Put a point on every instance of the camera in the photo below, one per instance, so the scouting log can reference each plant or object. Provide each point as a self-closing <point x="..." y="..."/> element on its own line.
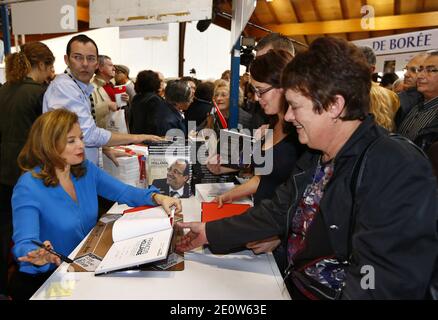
<point x="246" y="51"/>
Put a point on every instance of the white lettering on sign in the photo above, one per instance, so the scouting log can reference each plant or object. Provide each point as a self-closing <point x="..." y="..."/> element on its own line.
<point x="407" y="42"/>
<point x="410" y="42"/>
<point x="367" y="21"/>
<point x="68" y="19"/>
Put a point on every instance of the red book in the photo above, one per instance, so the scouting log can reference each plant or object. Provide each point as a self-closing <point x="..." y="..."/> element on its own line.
<point x="211" y="212"/>
<point x="137" y="209"/>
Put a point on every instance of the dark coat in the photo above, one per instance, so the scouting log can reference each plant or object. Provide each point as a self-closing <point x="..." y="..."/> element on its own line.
<point x="140" y="115"/>
<point x="408" y="99"/>
<point x="396" y="216"/>
<point x="198" y="111"/>
<point x="20" y="105"/>
<point x="427" y="140"/>
<point x="164" y="187"/>
<point x="164" y="117"/>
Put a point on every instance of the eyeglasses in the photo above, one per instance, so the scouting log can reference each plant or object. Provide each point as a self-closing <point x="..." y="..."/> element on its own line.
<point x="81" y="58"/>
<point x="428" y="69"/>
<point x="410" y="69"/>
<point x="174" y="171"/>
<point x="261" y="92"/>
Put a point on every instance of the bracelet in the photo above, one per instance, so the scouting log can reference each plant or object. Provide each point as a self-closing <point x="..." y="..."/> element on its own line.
<point x="153" y="197"/>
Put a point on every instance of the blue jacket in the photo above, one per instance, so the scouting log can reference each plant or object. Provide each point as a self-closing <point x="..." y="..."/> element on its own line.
<point x="49" y="213"/>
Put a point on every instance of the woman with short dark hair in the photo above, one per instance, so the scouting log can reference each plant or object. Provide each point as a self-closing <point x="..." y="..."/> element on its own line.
<point x="359" y="212"/>
<point x="146" y="86"/>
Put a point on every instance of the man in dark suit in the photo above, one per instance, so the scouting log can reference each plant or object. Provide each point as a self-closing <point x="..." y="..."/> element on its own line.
<point x="170" y="114"/>
<point x="176" y="184"/>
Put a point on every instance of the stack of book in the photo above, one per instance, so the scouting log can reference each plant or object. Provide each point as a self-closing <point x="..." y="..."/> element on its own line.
<point x="131" y="169"/>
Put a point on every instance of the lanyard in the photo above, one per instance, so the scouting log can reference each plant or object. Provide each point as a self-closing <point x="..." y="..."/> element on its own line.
<point x="89" y="98"/>
<point x="71" y="77"/>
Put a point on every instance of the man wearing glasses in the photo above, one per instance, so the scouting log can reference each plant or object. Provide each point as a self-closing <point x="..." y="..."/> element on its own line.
<point x="421" y="123"/>
<point x="176" y="184"/>
<point x="409" y="97"/>
<point x="72" y="90"/>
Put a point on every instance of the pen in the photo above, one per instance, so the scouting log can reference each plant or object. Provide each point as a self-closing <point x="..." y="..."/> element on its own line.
<point x="61" y="256"/>
<point x="172" y="215"/>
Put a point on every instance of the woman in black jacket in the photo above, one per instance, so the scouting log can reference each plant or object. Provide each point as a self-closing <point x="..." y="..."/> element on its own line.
<point x="21" y="98"/>
<point x="145" y="101"/>
<point x="351" y="234"/>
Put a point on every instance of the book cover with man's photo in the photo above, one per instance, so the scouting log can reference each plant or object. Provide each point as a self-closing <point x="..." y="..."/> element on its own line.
<point x="169" y="170"/>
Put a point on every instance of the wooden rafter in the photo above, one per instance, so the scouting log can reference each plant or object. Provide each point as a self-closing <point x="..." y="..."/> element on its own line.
<point x="83" y="13"/>
<point x="299" y="19"/>
<point x="427" y="19"/>
<point x="344" y="14"/>
<point x="397" y="6"/>
<point x="272" y="11"/>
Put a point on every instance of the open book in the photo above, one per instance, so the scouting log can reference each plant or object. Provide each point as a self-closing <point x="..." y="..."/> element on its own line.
<point x="207" y="192"/>
<point x="139" y="237"/>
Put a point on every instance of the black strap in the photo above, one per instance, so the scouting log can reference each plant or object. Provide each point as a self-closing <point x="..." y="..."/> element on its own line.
<point x="90" y="97"/>
<point x="356" y="180"/>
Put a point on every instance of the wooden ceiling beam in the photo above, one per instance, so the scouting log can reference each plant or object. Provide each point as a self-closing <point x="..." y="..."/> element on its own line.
<point x="273" y="14"/>
<point x="417" y="20"/>
<point x="83" y="14"/>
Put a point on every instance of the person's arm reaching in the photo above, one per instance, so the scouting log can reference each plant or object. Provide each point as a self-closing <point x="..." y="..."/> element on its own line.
<point x="126" y="138"/>
<point x="243" y="190"/>
<point x="196" y="237"/>
<point x="167" y="203"/>
<point x="113" y="189"/>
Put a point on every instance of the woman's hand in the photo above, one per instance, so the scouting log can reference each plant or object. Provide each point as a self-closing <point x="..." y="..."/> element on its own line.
<point x="167" y="203"/>
<point x="41" y="256"/>
<point x="225" y="198"/>
<point x="196" y="237"/>
<point x="263" y="246"/>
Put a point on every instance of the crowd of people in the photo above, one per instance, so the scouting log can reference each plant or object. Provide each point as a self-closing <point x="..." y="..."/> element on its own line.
<point x="343" y="192"/>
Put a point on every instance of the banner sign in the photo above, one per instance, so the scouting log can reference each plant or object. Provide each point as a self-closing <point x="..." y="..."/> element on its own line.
<point x="113" y="13"/>
<point x="45" y="16"/>
<point x="402" y="43"/>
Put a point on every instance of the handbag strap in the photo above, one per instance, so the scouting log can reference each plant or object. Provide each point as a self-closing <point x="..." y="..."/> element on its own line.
<point x="356" y="180"/>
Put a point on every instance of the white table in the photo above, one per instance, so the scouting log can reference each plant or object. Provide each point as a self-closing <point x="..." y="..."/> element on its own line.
<point x="241" y="275"/>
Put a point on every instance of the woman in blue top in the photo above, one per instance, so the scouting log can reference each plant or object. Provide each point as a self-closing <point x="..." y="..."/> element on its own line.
<point x="55" y="200"/>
